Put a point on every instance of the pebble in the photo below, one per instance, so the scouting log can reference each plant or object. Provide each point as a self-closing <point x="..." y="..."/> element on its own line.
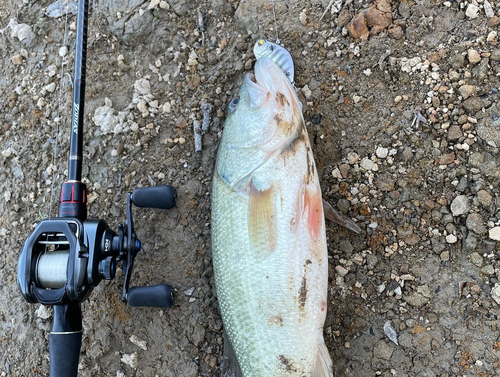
<point x="467" y="91"/>
<point x="131" y="360"/>
<point x="488" y="9"/>
<point x="51" y="87"/>
<point x="383" y="350"/>
<point x="17" y="59"/>
<point x="357" y="27"/>
<point x="382" y="152"/>
<point x="63" y="51"/>
<point x="385" y="182"/>
<point x="446" y="159"/>
<point x="7" y="152"/>
<point x="494" y="233"/>
<point x="341" y="270"/>
<point x="484" y="198"/>
<point x="454" y="133"/>
<point x="475" y="223"/>
<point x="472" y="11"/>
<point x="460" y="205"/>
<point x="142" y="87"/>
<point x="43" y="312"/>
<point x="492" y="35"/>
<point x="473" y="55"/>
<point x="476" y="259"/>
<point x="445" y="255"/>
<point x="495" y="293"/>
<point x="139" y="342"/>
<point x="451" y="238"/>
<point x="366" y="164"/>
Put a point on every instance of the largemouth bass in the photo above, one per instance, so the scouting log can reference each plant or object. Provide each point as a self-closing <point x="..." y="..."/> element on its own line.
<point x="268" y="232"/>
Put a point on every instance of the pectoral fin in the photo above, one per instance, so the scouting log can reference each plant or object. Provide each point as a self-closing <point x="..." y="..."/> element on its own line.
<point x="333" y="215"/>
<point x="324" y="366"/>
<point x="262" y="228"/>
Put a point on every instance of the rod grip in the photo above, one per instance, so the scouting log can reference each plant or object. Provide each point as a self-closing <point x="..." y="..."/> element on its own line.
<point x="158" y="296"/>
<point x="64" y="349"/>
<point x="65" y="340"/>
<point x="162" y="197"/>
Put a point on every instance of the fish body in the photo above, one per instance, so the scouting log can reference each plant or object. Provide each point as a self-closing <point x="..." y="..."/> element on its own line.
<point x="276" y="53"/>
<point x="268" y="232"/>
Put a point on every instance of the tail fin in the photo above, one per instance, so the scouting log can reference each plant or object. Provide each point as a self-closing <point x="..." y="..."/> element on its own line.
<point x="324" y="365"/>
<point x="230" y="366"/>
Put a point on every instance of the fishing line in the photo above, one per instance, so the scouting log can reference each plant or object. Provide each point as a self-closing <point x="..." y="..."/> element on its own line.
<point x="275" y="24"/>
<point x="59" y="105"/>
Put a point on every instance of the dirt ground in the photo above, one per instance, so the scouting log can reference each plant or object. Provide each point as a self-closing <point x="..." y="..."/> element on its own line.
<point x="401" y="101"/>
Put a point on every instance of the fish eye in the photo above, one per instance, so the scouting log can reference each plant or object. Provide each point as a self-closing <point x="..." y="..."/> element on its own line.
<point x="234" y="104"/>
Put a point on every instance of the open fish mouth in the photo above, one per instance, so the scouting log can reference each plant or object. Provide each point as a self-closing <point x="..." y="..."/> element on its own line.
<point x="251" y="79"/>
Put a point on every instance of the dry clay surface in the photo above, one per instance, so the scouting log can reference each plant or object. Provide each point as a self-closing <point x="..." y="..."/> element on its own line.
<point x="401" y="101"/>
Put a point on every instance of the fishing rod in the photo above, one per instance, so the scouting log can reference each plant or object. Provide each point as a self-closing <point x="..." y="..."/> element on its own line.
<point x="67" y="256"/>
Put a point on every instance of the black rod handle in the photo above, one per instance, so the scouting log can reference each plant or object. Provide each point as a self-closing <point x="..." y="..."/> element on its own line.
<point x="158" y="296"/>
<point x="65" y="340"/>
<point x="162" y="197"/>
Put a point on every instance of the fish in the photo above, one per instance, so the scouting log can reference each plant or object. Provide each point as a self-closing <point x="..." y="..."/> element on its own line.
<point x="280" y="55"/>
<point x="269" y="245"/>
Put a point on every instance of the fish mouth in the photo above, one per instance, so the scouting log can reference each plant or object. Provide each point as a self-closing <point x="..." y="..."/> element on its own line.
<point x="251" y="80"/>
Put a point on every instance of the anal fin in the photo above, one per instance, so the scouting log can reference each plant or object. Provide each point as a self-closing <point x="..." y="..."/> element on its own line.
<point x="333" y="215"/>
<point x="229" y="366"/>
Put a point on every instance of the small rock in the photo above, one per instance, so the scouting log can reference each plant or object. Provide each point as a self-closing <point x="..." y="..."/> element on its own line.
<point x="416" y="299"/>
<point x="454" y="133"/>
<point x="467" y="91"/>
<point x="472" y="11"/>
<point x="492" y="35"/>
<point x="357" y="27"/>
<point x="451" y="238"/>
<point x="494" y="233"/>
<point x="446" y="159"/>
<point x="460" y="205"/>
<point x="383" y="350"/>
<point x="488" y="9"/>
<point x="385" y="182"/>
<point x="341" y="270"/>
<point x="51" y="87"/>
<point x="476" y="259"/>
<point x="366" y="164"/>
<point x="445" y="255"/>
<point x="473" y="104"/>
<point x="63" y="51"/>
<point x="484" y="198"/>
<point x="139" y="342"/>
<point x="493" y="22"/>
<point x="130" y="360"/>
<point x="142" y="87"/>
<point x="336" y="173"/>
<point x="194" y="82"/>
<point x="43" y="313"/>
<point x="377" y="20"/>
<point x="382" y="152"/>
<point x="17" y="59"/>
<point x="473" y="55"/>
<point x="475" y="223"/>
<point x="495" y="293"/>
<point x="476" y="159"/>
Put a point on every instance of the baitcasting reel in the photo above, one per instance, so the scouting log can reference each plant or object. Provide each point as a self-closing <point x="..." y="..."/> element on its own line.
<point x="65" y="258"/>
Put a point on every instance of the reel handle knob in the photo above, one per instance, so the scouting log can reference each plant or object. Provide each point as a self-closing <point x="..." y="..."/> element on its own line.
<point x="158" y="296"/>
<point x="162" y="197"/>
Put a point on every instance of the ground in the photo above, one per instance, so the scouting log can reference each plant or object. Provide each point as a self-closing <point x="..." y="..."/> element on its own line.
<point x="401" y="101"/>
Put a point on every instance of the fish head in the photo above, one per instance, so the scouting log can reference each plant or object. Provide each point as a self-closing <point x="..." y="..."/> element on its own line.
<point x="267" y="110"/>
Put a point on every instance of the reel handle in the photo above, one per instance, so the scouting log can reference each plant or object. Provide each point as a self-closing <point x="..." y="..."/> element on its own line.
<point x="162" y="197"/>
<point x="65" y="340"/>
<point x="158" y="296"/>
